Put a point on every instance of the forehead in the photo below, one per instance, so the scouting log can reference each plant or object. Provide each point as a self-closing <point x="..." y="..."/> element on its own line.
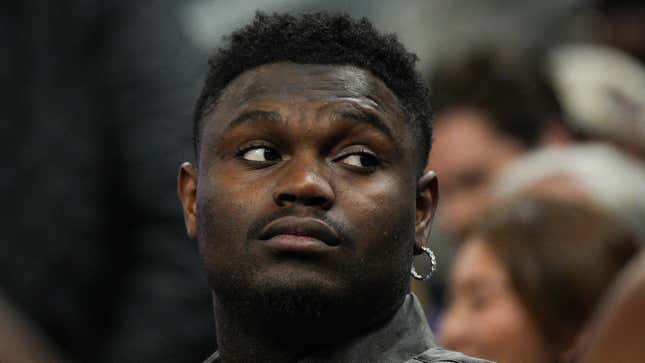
<point x="295" y="84"/>
<point x="487" y="150"/>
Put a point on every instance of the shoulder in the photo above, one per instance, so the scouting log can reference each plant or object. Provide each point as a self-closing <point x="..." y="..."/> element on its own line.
<point x="440" y="355"/>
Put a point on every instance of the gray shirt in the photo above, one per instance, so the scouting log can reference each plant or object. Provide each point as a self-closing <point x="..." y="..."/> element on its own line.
<point x="406" y="338"/>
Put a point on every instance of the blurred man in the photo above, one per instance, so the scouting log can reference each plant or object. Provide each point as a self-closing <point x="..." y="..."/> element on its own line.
<point x="309" y="197"/>
<point x="486" y="115"/>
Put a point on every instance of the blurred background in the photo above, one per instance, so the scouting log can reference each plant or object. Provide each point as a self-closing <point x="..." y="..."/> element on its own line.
<point x="539" y="97"/>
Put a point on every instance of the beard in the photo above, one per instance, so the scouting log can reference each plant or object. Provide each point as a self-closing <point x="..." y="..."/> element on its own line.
<point x="294" y="309"/>
<point x="310" y="301"/>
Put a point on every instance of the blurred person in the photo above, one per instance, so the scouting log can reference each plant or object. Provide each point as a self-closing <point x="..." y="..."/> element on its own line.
<point x="602" y="92"/>
<point x="94" y="98"/>
<point x="308" y="197"/>
<point x="487" y="114"/>
<point x="489" y="110"/>
<point x="594" y="172"/>
<point x="529" y="275"/>
<point x="615" y="333"/>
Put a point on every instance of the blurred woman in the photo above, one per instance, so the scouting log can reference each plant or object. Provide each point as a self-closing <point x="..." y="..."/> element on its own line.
<point x="528" y="276"/>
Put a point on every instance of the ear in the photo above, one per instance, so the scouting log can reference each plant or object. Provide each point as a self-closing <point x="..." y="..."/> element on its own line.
<point x="187" y="191"/>
<point x="427" y="200"/>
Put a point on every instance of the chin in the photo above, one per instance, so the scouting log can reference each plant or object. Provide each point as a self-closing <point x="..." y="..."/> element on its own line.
<point x="301" y="295"/>
<point x="301" y="276"/>
<point x="288" y="294"/>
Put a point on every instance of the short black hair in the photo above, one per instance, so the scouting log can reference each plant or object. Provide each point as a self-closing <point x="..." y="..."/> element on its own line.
<point x="507" y="91"/>
<point x="320" y="38"/>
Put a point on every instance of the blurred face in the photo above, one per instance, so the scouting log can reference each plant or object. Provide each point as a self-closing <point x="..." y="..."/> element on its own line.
<point x="305" y="198"/>
<point x="485" y="318"/>
<point x="467" y="155"/>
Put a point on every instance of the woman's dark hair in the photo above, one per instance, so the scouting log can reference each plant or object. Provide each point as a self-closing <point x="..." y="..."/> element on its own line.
<point x="560" y="257"/>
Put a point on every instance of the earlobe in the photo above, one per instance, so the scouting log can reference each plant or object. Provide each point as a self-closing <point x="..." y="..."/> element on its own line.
<point x="427" y="200"/>
<point x="187" y="191"/>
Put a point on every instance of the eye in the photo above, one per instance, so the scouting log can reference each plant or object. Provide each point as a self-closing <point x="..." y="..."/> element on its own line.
<point x="360" y="160"/>
<point x="260" y="154"/>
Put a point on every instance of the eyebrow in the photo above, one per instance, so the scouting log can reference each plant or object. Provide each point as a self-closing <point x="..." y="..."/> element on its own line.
<point x="355" y="113"/>
<point x="254" y="115"/>
<point x="359" y="115"/>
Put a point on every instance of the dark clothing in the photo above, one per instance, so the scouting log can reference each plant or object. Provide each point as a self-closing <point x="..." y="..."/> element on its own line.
<point x="96" y="102"/>
<point x="405" y="338"/>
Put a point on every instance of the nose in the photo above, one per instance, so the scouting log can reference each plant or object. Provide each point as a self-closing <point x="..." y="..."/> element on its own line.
<point x="453" y="331"/>
<point x="303" y="181"/>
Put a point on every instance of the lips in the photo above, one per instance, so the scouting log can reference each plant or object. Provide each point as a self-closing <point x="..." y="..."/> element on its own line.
<point x="299" y="231"/>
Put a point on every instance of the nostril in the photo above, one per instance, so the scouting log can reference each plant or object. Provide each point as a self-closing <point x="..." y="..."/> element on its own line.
<point x="313" y="201"/>
<point x="286" y="198"/>
<point x="318" y="201"/>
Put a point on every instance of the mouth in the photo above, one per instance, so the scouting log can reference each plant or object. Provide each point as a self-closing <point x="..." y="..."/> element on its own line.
<point x="299" y="235"/>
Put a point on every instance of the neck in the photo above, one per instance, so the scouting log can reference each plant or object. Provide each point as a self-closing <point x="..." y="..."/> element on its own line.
<point x="250" y="335"/>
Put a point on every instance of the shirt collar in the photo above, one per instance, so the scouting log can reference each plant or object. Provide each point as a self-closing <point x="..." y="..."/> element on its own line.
<point x="405" y="335"/>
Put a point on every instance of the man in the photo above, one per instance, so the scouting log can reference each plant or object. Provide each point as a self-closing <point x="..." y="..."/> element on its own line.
<point x="309" y="197"/>
<point x="487" y="114"/>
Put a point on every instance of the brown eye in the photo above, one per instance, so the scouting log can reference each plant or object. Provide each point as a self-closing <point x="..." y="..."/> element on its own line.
<point x="260" y="154"/>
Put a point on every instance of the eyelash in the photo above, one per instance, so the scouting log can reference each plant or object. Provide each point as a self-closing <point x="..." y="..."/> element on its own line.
<point x="361" y="151"/>
<point x="239" y="153"/>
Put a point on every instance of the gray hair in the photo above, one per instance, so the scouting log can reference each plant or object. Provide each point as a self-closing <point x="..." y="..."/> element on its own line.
<point x="612" y="180"/>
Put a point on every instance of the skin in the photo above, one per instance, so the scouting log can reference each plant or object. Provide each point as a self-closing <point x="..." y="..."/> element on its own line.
<point x="301" y="141"/>
<point x="468" y="154"/>
<point x="485" y="318"/>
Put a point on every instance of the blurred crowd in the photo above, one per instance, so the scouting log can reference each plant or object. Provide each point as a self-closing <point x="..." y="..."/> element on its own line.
<point x="541" y="165"/>
<point x="540" y="160"/>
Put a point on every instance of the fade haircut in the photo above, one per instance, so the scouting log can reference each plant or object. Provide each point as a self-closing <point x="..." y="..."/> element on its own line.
<point x="320" y="38"/>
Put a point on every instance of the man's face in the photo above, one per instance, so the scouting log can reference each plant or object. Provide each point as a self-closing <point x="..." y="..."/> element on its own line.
<point x="468" y="155"/>
<point x="306" y="191"/>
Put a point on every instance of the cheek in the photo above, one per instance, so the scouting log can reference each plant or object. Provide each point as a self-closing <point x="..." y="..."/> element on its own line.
<point x="505" y="318"/>
<point x="507" y="333"/>
<point x="226" y="207"/>
<point x="382" y="213"/>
